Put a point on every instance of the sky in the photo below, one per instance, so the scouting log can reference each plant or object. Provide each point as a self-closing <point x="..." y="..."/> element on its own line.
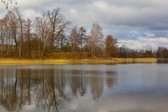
<point x="137" y="24"/>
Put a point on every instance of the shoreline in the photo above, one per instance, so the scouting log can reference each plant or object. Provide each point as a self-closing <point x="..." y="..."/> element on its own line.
<point x="76" y="61"/>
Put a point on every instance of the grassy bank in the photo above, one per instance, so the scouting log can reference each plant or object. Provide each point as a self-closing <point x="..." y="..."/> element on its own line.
<point x="73" y="61"/>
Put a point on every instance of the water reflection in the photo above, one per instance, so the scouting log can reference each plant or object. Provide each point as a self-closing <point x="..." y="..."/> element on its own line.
<point x="49" y="89"/>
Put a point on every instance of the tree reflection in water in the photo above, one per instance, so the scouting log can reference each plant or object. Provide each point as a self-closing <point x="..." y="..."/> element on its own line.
<point x="45" y="88"/>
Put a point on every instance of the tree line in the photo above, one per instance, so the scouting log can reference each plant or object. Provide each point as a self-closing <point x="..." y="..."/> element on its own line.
<point x="46" y="37"/>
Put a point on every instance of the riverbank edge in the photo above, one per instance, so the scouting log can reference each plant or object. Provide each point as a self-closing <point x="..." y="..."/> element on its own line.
<point x="76" y="61"/>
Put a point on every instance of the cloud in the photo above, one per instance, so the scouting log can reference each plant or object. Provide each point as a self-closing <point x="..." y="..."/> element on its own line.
<point x="78" y="17"/>
<point x="129" y="15"/>
<point x="124" y="19"/>
<point x="145" y="43"/>
<point x="33" y="4"/>
<point x="149" y="14"/>
<point x="30" y="14"/>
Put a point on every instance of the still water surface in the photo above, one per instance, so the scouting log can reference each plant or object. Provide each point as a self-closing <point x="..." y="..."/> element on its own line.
<point x="84" y="88"/>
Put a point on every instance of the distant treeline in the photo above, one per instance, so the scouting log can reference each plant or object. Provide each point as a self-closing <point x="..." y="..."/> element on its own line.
<point x="46" y="37"/>
<point x="124" y="52"/>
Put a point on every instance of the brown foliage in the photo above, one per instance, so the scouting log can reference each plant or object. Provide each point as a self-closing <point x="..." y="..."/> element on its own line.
<point x="110" y="46"/>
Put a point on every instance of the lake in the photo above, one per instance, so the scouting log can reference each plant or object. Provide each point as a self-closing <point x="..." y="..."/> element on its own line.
<point x="84" y="88"/>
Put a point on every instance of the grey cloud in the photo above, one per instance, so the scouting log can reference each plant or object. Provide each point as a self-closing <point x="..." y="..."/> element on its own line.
<point x="117" y="17"/>
<point x="130" y="15"/>
<point x="145" y="43"/>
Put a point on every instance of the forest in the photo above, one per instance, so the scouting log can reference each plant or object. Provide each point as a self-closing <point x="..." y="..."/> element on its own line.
<point x="52" y="36"/>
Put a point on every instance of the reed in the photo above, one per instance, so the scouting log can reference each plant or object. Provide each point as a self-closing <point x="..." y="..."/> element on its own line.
<point x="76" y="61"/>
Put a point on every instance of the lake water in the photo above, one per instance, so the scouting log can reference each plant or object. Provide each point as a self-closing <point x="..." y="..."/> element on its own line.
<point x="84" y="88"/>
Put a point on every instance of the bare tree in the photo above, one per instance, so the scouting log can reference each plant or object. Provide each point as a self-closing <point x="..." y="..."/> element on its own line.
<point x="13" y="26"/>
<point x="2" y="22"/>
<point x="51" y="28"/>
<point x="20" y="24"/>
<point x="74" y="39"/>
<point x="28" y="35"/>
<point x="43" y="33"/>
<point x="57" y="26"/>
<point x="95" y="37"/>
<point x="5" y="35"/>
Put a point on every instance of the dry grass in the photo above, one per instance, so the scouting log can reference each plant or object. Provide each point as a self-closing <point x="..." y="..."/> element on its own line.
<point x="73" y="61"/>
<point x="137" y="60"/>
